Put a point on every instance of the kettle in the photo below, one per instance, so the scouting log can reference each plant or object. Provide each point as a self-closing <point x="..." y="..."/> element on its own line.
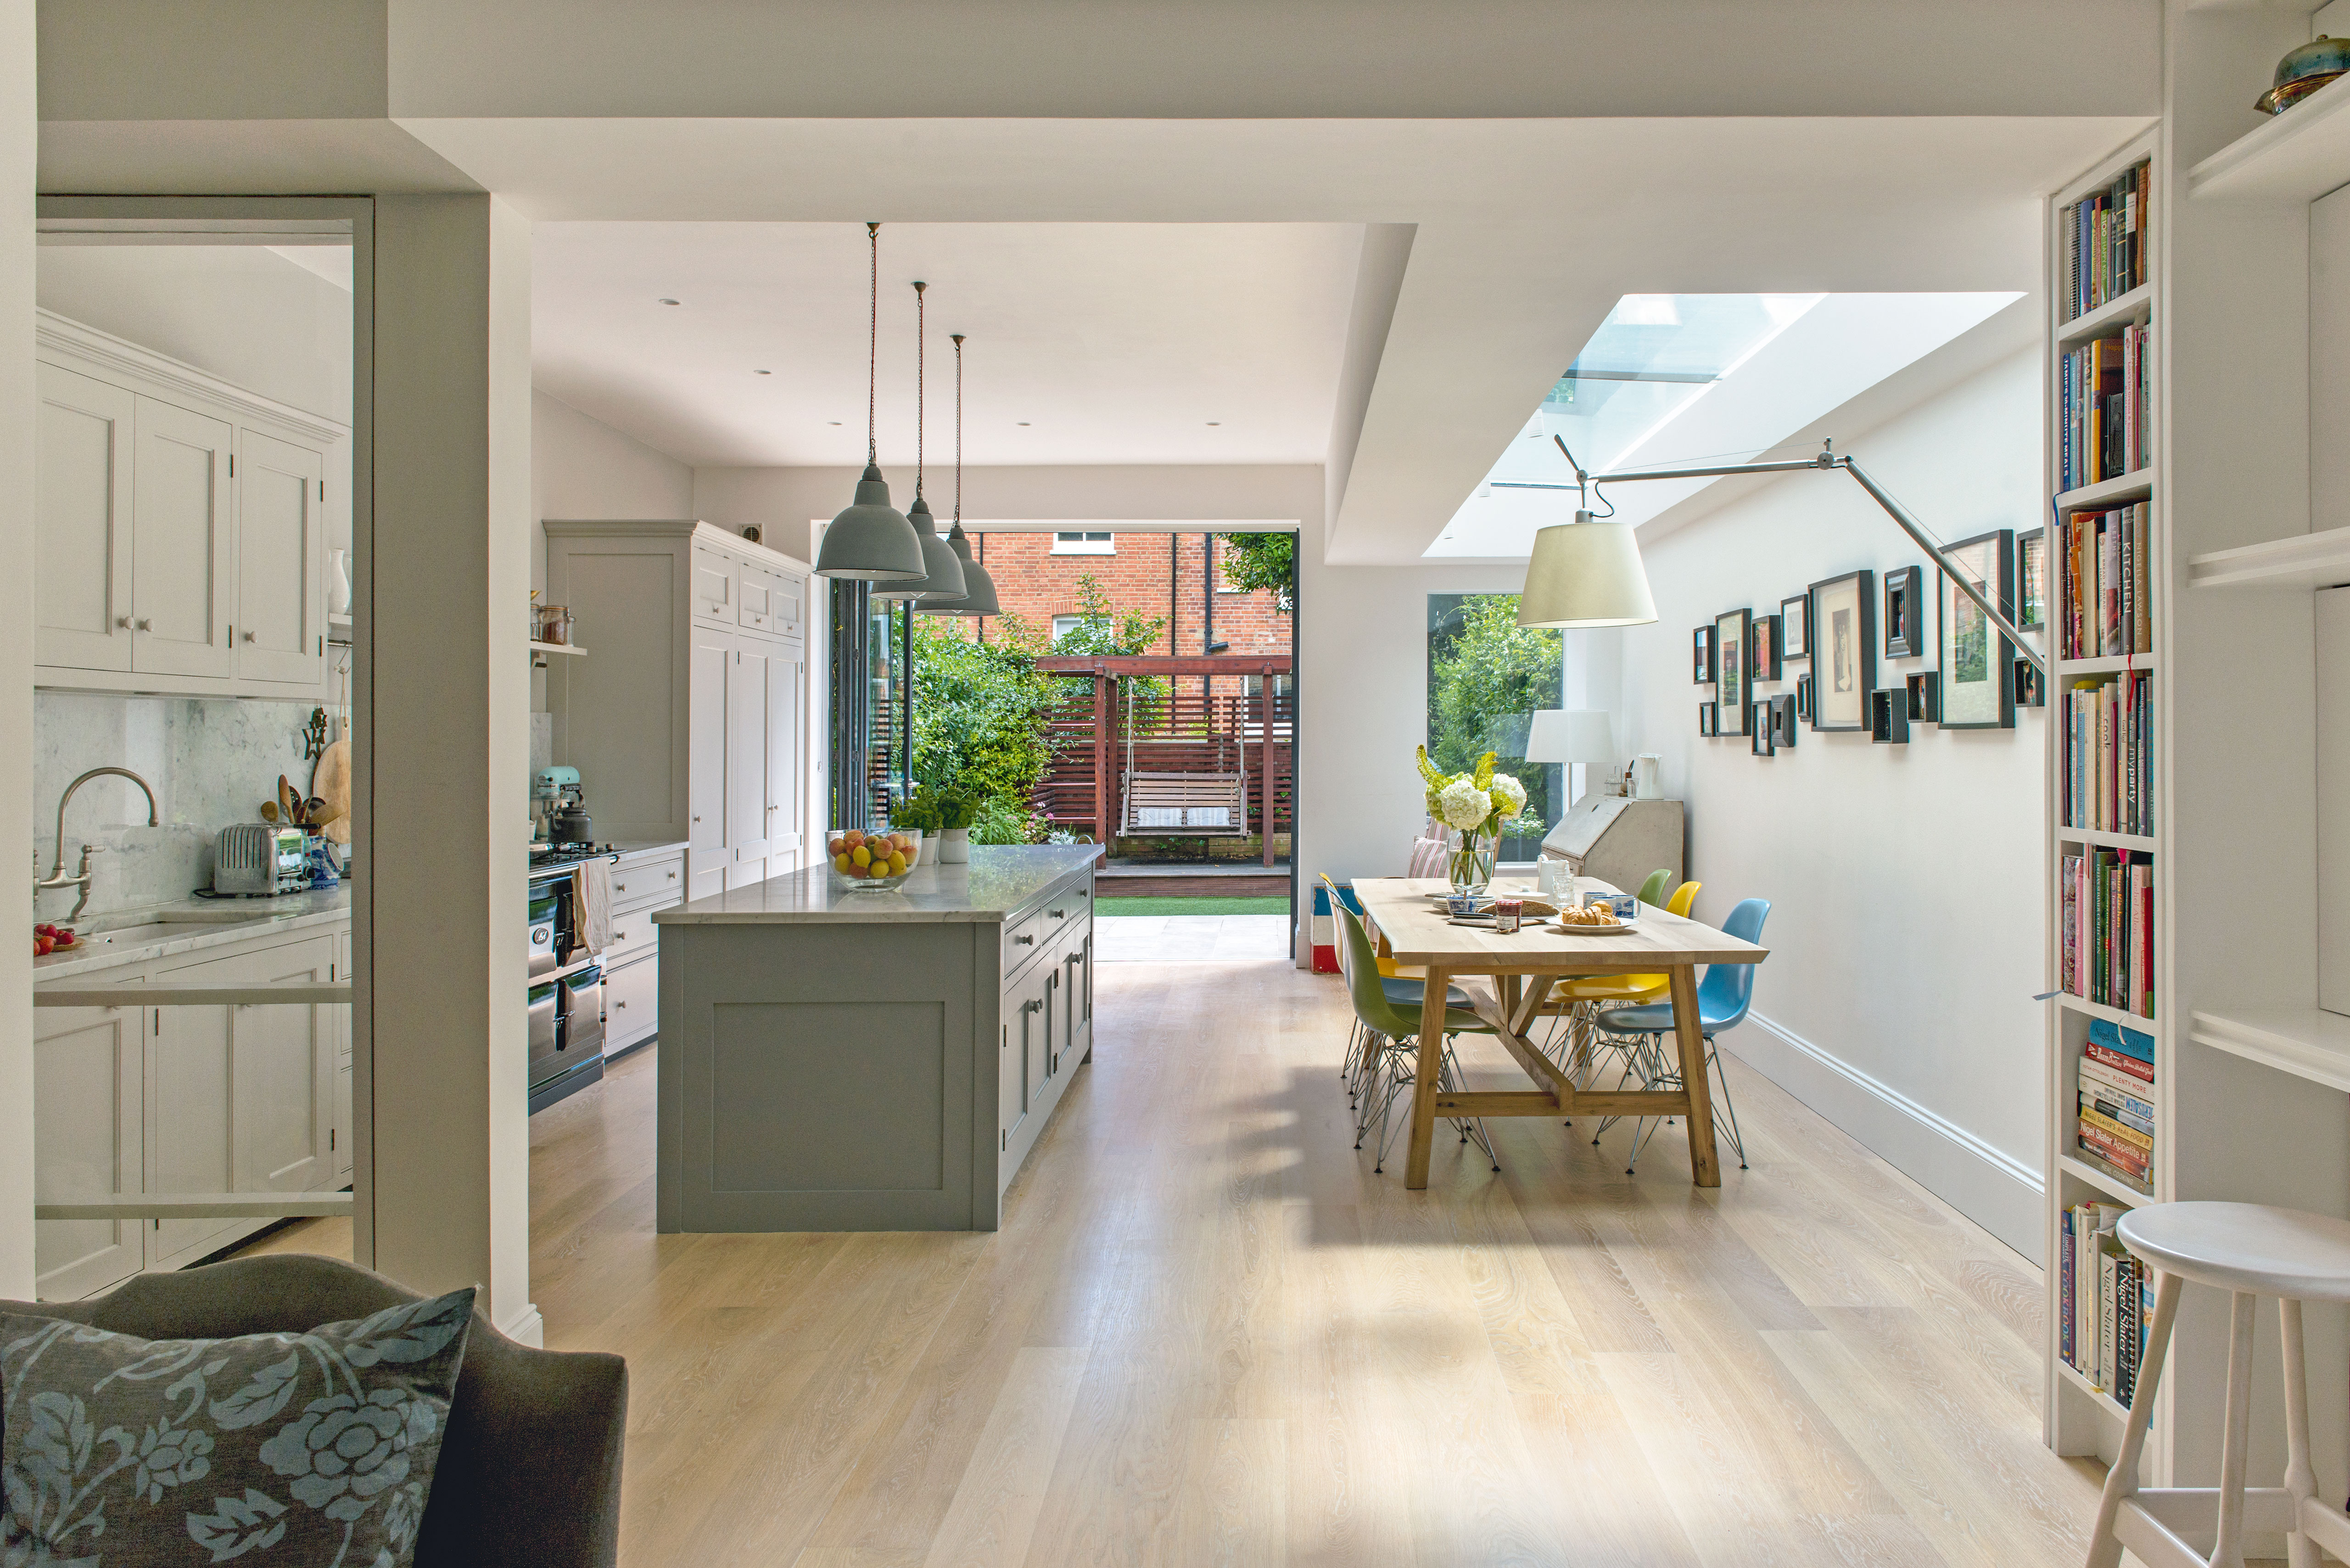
<point x="572" y="824"/>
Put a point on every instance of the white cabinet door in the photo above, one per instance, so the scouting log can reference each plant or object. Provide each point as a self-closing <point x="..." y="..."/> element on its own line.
<point x="784" y="618"/>
<point x="82" y="520"/>
<point x="707" y="851"/>
<point x="88" y="1066"/>
<point x="786" y="680"/>
<point x="189" y="1086"/>
<point x="279" y="628"/>
<point x="713" y="586"/>
<point x="756" y="592"/>
<point x="340" y="1139"/>
<point x="746" y="751"/>
<point x="183" y="544"/>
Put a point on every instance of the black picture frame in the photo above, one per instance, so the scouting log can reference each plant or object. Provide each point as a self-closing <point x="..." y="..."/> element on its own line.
<point x="1783" y="718"/>
<point x="1803" y="696"/>
<point x="1889" y="716"/>
<point x="1977" y="658"/>
<point x="1701" y="657"/>
<point x="1761" y="739"/>
<point x="1762" y="663"/>
<point x="2031" y="688"/>
<point x="1706" y="726"/>
<point x="1733" y="636"/>
<point x="1796" y="628"/>
<point x="2032" y="580"/>
<point x="1843" y="651"/>
<point x="1905" y="610"/>
<point x="1926" y="697"/>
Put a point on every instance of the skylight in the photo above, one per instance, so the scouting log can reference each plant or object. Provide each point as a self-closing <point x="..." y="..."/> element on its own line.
<point x="1675" y="378"/>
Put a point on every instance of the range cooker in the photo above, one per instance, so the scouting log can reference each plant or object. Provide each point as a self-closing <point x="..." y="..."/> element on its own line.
<point x="566" y="982"/>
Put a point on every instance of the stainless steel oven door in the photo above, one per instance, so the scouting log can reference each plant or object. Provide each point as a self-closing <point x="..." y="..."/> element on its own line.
<point x="546" y="1058"/>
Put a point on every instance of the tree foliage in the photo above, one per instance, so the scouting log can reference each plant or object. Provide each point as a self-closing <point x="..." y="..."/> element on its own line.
<point x="1253" y="561"/>
<point x="980" y="712"/>
<point x="1486" y="677"/>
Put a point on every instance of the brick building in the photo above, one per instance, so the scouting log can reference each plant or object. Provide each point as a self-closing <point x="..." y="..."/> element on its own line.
<point x="1151" y="574"/>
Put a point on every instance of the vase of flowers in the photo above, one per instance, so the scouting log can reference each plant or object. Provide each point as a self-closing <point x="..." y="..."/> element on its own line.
<point x="1478" y="807"/>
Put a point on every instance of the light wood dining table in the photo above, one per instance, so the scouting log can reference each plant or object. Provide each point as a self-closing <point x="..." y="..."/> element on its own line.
<point x="1411" y="929"/>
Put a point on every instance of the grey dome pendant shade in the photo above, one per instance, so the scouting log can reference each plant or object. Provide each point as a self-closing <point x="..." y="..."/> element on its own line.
<point x="943" y="577"/>
<point x="871" y="539"/>
<point x="979" y="587"/>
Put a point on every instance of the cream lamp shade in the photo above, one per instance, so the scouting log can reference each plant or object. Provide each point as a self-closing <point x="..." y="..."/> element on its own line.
<point x="1570" y="735"/>
<point x="1586" y="573"/>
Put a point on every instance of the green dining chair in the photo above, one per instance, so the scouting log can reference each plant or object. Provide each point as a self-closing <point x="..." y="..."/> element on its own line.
<point x="1652" y="891"/>
<point x="1392" y="1046"/>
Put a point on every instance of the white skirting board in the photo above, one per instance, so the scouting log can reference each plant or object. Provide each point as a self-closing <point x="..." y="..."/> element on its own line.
<point x="1985" y="1184"/>
<point x="528" y="1327"/>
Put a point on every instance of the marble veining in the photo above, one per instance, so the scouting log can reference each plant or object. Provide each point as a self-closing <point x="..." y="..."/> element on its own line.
<point x="212" y="761"/>
<point x="200" y="924"/>
<point x="999" y="879"/>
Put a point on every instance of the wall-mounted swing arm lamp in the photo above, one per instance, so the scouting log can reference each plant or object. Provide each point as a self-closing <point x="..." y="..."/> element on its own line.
<point x="1599" y="580"/>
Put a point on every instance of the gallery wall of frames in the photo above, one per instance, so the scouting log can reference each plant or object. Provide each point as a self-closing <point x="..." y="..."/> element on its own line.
<point x="1821" y="651"/>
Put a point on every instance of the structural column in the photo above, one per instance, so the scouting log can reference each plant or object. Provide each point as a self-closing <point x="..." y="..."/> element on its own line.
<point x="19" y="135"/>
<point x="442" y="712"/>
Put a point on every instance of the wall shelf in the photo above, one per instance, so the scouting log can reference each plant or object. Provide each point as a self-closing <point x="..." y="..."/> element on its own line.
<point x="2098" y="835"/>
<point x="2135" y="485"/>
<point x="2104" y="1401"/>
<point x="2110" y="1014"/>
<point x="2317" y="560"/>
<point x="2112" y="1187"/>
<point x="539" y="651"/>
<point x="2298" y="156"/>
<point x="2123" y="310"/>
<point x="2307" y="1042"/>
<point x="2105" y="664"/>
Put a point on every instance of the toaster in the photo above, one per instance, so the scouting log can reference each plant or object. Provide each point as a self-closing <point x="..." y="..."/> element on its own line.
<point x="258" y="860"/>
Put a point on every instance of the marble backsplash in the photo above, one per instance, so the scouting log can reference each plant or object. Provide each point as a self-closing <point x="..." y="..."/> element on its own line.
<point x="212" y="762"/>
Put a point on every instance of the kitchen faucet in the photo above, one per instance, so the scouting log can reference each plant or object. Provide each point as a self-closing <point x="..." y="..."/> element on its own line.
<point x="56" y="877"/>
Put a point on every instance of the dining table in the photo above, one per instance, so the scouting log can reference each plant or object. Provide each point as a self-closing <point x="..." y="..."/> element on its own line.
<point x="1411" y="924"/>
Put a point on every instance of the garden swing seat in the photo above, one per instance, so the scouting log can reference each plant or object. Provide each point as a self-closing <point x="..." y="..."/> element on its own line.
<point x="1198" y="804"/>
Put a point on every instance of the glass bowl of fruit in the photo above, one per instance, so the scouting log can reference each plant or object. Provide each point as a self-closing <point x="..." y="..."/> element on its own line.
<point x="873" y="862"/>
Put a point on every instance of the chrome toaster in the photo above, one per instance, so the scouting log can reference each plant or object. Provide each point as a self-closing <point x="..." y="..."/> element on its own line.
<point x="259" y="859"/>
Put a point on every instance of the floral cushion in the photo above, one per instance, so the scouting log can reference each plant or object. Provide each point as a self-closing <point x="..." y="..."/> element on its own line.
<point x="308" y="1450"/>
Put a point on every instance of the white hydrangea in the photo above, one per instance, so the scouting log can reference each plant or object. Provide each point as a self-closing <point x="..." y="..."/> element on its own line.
<point x="1463" y="804"/>
<point x="1509" y="794"/>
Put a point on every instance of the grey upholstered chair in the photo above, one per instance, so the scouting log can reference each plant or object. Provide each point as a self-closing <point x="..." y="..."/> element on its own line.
<point x="530" y="1469"/>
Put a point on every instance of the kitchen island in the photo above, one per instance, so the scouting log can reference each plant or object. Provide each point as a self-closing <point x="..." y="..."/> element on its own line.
<point x="834" y="1059"/>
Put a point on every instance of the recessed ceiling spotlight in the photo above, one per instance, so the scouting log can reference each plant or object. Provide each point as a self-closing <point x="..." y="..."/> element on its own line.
<point x="669" y="302"/>
<point x="832" y="422"/>
<point x="762" y="372"/>
<point x="1213" y="423"/>
<point x="1024" y="424"/>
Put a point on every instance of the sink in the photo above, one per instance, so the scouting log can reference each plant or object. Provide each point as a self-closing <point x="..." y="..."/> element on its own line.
<point x="123" y="937"/>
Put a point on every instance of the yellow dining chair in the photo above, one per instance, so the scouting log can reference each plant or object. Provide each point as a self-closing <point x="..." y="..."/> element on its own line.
<point x="1578" y="995"/>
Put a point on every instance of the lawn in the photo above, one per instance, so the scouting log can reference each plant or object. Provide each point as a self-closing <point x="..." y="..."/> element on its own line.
<point x="1268" y="906"/>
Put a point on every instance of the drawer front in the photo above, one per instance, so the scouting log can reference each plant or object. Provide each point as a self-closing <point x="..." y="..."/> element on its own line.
<point x="635" y="884"/>
<point x="631" y="1003"/>
<point x="713" y="586"/>
<point x="1025" y="939"/>
<point x="633" y="932"/>
<point x="755" y="596"/>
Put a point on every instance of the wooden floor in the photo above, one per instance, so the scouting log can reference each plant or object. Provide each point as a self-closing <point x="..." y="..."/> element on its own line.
<point x="1208" y="1333"/>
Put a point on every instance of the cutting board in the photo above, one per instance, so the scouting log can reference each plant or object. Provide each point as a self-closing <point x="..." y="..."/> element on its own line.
<point x="332" y="784"/>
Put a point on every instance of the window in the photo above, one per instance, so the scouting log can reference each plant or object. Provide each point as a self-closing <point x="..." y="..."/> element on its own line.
<point x="1486" y="677"/>
<point x="1084" y="544"/>
<point x="1064" y="624"/>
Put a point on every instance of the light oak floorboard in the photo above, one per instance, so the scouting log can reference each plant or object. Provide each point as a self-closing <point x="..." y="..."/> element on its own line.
<point x="1208" y="1334"/>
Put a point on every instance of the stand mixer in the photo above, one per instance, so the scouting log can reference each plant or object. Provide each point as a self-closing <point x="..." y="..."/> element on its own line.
<point x="555" y="792"/>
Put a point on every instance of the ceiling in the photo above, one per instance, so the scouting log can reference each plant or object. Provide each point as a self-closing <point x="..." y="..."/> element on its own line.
<point x="1088" y="343"/>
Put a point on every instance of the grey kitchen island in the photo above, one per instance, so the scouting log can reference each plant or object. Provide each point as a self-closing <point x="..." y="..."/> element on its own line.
<point x="839" y="1060"/>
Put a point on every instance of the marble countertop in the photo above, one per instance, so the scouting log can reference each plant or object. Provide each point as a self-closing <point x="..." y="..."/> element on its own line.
<point x="163" y="931"/>
<point x="634" y="848"/>
<point x="999" y="879"/>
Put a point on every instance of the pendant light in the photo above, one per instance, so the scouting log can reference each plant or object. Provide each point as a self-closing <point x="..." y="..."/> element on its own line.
<point x="871" y="539"/>
<point x="979" y="587"/>
<point x="1586" y="573"/>
<point x="941" y="578"/>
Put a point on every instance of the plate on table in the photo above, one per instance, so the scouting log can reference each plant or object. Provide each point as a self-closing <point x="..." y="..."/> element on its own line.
<point x="1616" y="928"/>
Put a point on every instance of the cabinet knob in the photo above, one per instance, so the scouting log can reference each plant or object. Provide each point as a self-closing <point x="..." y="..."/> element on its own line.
<point x="620" y="1005"/>
<point x="123" y="621"/>
<point x="145" y="624"/>
<point x="1058" y="914"/>
<point x="1024" y="941"/>
<point x="248" y="637"/>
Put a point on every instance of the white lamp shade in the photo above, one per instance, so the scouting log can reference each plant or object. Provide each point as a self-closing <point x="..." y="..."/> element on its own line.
<point x="1586" y="573"/>
<point x="1570" y="735"/>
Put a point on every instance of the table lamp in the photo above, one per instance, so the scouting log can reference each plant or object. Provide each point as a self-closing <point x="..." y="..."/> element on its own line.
<point x="1571" y="735"/>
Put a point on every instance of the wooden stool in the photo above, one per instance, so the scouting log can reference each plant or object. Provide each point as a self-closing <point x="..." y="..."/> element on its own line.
<point x="2249" y="1252"/>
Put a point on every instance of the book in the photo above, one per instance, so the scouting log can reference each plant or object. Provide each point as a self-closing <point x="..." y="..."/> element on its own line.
<point x="2132" y="1161"/>
<point x="2120" y="1088"/>
<point x="2097" y="1120"/>
<point x="2136" y="1182"/>
<point x="2106" y="1056"/>
<point x="2064" y="1291"/>
<point x="2126" y="1341"/>
<point x="2090" y="1101"/>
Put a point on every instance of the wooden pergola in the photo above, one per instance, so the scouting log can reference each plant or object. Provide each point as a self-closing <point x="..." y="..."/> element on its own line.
<point x="1107" y="671"/>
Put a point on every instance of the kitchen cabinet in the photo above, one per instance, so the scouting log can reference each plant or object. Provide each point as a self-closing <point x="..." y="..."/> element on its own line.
<point x="180" y="526"/>
<point x="690" y="722"/>
<point x="187" y="1099"/>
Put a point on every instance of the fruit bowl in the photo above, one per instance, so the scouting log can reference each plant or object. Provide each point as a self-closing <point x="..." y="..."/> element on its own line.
<point x="873" y="862"/>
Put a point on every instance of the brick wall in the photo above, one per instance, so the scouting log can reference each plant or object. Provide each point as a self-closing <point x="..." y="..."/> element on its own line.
<point x="1038" y="585"/>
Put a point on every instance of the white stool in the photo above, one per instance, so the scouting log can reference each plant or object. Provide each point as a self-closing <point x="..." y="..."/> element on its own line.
<point x="2251" y="1252"/>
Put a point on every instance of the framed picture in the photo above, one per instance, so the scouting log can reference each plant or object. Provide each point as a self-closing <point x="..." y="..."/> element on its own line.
<point x="1734" y="635"/>
<point x="1796" y="628"/>
<point x="1904" y="610"/>
<point x="1701" y="658"/>
<point x="1844" y="650"/>
<point x="1762" y="740"/>
<point x="1783" y="717"/>
<point x="1977" y="660"/>
<point x="1803" y="696"/>
<point x="2032" y="580"/>
<point x="1705" y="721"/>
<point x="2031" y="691"/>
<point x="1764" y="665"/>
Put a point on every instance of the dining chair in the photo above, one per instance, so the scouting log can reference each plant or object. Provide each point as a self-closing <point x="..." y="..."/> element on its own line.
<point x="1578" y="997"/>
<point x="1723" y="996"/>
<point x="1406" y="993"/>
<point x="1392" y="1050"/>
<point x="1652" y="891"/>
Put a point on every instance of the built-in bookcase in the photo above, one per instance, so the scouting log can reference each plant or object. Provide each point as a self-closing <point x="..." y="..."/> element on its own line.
<point x="2248" y="1101"/>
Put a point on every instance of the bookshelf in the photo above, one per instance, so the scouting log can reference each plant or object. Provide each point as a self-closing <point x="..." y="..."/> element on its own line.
<point x="2249" y="1092"/>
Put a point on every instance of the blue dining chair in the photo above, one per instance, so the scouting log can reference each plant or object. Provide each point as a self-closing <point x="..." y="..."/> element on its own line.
<point x="1723" y="996"/>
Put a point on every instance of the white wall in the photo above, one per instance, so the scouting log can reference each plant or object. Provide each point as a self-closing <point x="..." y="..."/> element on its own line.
<point x="1907" y="921"/>
<point x="17" y="143"/>
<point x="582" y="467"/>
